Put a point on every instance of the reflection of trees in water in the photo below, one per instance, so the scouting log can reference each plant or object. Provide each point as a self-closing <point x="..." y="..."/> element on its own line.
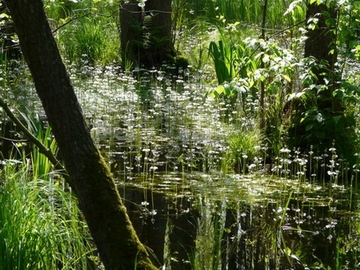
<point x="304" y="236"/>
<point x="167" y="227"/>
<point x="258" y="235"/>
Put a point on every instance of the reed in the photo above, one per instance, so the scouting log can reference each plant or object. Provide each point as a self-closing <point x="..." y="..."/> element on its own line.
<point x="41" y="167"/>
<point x="87" y="33"/>
<point x="39" y="224"/>
<point x="249" y="11"/>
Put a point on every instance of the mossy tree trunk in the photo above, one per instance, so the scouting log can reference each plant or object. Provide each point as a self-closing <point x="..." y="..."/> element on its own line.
<point x="146" y="37"/>
<point x="99" y="200"/>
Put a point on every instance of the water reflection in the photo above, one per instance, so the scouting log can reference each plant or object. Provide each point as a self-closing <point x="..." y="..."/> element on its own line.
<point x="280" y="231"/>
<point x="169" y="231"/>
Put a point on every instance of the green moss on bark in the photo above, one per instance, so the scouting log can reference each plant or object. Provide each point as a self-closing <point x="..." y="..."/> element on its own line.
<point x="113" y="233"/>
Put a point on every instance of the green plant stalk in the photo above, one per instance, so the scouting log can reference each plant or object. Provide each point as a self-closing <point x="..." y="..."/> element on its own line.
<point x="282" y="222"/>
<point x="39" y="236"/>
<point x="262" y="65"/>
<point x="145" y="178"/>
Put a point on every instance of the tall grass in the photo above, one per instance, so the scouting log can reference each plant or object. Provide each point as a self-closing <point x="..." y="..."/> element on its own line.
<point x="86" y="31"/>
<point x="86" y="42"/>
<point x="243" y="146"/>
<point x="247" y="11"/>
<point x="39" y="223"/>
<point x="91" y="31"/>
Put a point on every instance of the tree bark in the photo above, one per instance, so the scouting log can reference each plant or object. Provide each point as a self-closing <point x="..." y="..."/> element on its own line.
<point x="321" y="44"/>
<point x="322" y="39"/>
<point x="146" y="38"/>
<point x="89" y="176"/>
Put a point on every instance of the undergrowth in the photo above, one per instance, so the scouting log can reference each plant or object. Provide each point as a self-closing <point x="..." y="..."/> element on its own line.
<point x="39" y="223"/>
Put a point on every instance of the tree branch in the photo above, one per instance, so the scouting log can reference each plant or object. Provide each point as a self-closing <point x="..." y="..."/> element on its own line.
<point x="74" y="18"/>
<point x="42" y="148"/>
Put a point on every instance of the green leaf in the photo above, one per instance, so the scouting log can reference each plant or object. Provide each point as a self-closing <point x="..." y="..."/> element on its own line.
<point x="330" y="22"/>
<point x="220" y="89"/>
<point x="271" y="89"/>
<point x="4" y="16"/>
<point x="286" y="77"/>
<point x="318" y="2"/>
<point x="337" y="118"/>
<point x="308" y="127"/>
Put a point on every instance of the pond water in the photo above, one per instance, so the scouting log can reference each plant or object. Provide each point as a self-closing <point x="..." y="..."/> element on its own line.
<point x="165" y="141"/>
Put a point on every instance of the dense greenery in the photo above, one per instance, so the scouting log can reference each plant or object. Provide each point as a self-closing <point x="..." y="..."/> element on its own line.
<point x="256" y="52"/>
<point x="86" y="30"/>
<point x="39" y="220"/>
<point x="252" y="56"/>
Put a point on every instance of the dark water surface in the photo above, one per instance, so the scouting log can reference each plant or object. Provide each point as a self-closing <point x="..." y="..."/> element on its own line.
<point x="210" y="228"/>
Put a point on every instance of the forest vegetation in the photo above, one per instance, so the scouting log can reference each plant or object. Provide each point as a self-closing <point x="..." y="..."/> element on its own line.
<point x="284" y="75"/>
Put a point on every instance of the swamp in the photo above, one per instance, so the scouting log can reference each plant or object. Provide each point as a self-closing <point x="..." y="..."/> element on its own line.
<point x="234" y="161"/>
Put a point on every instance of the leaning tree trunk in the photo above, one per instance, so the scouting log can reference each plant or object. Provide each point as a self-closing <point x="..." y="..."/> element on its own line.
<point x="116" y="240"/>
<point x="146" y="38"/>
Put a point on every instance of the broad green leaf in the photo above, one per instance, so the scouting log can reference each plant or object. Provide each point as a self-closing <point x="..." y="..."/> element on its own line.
<point x="220" y="89"/>
<point x="292" y="6"/>
<point x="337" y="118"/>
<point x="308" y="127"/>
<point x="286" y="77"/>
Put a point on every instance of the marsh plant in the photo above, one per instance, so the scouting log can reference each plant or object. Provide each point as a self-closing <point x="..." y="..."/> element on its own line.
<point x="86" y="31"/>
<point x="207" y="254"/>
<point x="39" y="223"/>
<point x="244" y="146"/>
<point x="246" y="11"/>
<point x="41" y="167"/>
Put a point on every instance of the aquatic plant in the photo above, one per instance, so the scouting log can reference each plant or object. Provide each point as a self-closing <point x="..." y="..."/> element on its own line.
<point x="41" y="166"/>
<point x="246" y="11"/>
<point x="162" y="133"/>
<point x="244" y="146"/>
